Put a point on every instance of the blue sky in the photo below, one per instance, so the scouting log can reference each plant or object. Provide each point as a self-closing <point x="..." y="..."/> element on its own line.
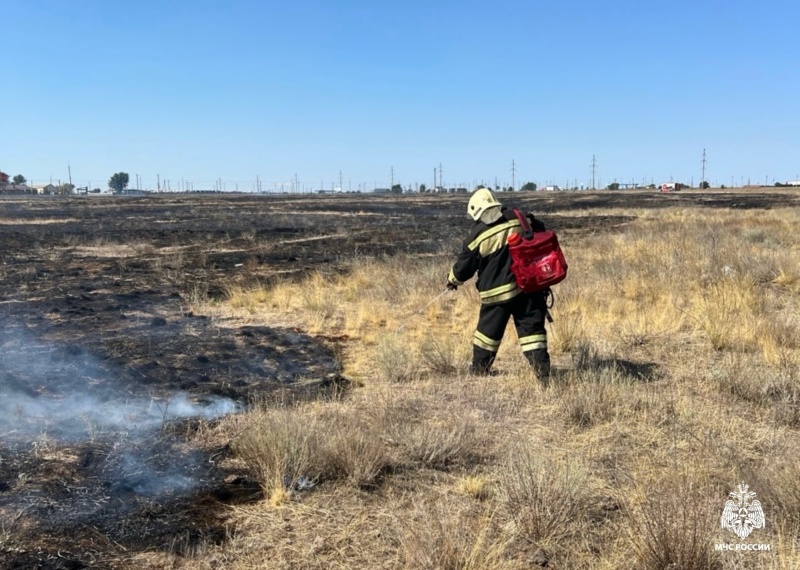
<point x="205" y="90"/>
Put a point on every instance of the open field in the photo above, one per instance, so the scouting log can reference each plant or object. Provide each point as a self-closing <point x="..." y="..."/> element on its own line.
<point x="132" y="328"/>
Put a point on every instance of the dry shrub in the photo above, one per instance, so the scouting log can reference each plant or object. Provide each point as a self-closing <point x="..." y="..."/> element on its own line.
<point x="777" y="482"/>
<point x="438" y="439"/>
<point x="354" y="451"/>
<point x="394" y="361"/>
<point x="246" y="299"/>
<point x="441" y="537"/>
<point x="568" y="328"/>
<point x="740" y="377"/>
<point x="673" y="526"/>
<point x="280" y="448"/>
<point x="724" y="312"/>
<point x="593" y="401"/>
<point x="547" y="498"/>
<point x="142" y="248"/>
<point x="778" y="338"/>
<point x="291" y="448"/>
<point x="476" y="486"/>
<point x="600" y="390"/>
<point x="443" y="443"/>
<point x="585" y="356"/>
<point x="196" y="295"/>
<point x="442" y="354"/>
<point x="775" y="388"/>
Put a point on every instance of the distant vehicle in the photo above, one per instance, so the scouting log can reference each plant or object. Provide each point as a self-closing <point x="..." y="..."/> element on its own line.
<point x="671" y="186"/>
<point x="551" y="188"/>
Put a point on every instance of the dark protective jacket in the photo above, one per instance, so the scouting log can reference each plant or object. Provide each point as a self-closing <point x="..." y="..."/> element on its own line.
<point x="486" y="251"/>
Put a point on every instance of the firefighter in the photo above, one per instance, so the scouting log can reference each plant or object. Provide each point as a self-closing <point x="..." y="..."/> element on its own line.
<point x="485" y="251"/>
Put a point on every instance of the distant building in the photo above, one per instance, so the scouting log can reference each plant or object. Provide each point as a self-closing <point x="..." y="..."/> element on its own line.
<point x="381" y="190"/>
<point x="16" y="189"/>
<point x="793" y="183"/>
<point x="44" y="188"/>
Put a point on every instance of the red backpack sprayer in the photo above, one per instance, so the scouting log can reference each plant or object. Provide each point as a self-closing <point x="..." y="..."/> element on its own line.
<point x="537" y="261"/>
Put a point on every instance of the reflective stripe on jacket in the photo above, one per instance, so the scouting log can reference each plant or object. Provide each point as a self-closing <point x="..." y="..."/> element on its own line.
<point x="485" y="251"/>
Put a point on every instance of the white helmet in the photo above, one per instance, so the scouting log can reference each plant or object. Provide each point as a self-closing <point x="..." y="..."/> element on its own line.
<point x="481" y="201"/>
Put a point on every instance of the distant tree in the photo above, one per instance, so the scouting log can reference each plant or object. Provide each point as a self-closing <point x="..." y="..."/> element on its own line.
<point x="19" y="179"/>
<point x="397" y="189"/>
<point x="529" y="187"/>
<point x="778" y="184"/>
<point x="119" y="181"/>
<point x="613" y="186"/>
<point x="65" y="188"/>
<point x="722" y="187"/>
<point x="704" y="185"/>
<point x="422" y="188"/>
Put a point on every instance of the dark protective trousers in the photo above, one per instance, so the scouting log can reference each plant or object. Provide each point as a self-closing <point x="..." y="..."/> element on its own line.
<point x="529" y="311"/>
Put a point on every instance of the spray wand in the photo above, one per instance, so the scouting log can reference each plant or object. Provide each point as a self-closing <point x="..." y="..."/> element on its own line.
<point x="423" y="309"/>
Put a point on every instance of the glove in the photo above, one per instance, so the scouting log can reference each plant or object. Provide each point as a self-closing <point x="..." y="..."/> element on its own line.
<point x="451" y="286"/>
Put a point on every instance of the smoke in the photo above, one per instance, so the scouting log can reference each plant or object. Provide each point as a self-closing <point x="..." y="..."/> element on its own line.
<point x="72" y="418"/>
<point x="52" y="398"/>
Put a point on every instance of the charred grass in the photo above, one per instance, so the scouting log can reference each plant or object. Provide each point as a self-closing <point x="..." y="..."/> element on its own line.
<point x="675" y="345"/>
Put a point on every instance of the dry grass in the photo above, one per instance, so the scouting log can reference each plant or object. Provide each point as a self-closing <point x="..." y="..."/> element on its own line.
<point x="674" y="527"/>
<point x="289" y="449"/>
<point x="546" y="497"/>
<point x="676" y="348"/>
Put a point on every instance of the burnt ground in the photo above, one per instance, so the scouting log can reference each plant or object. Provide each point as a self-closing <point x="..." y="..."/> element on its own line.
<point x="96" y="297"/>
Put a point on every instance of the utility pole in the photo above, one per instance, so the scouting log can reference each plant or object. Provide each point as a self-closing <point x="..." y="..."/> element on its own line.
<point x="594" y="169"/>
<point x="703" y="179"/>
<point x="391" y="183"/>
<point x="69" y="170"/>
<point x="340" y="181"/>
<point x="440" y="176"/>
<point x="158" y="182"/>
<point x="434" y="179"/>
<point x="513" y="176"/>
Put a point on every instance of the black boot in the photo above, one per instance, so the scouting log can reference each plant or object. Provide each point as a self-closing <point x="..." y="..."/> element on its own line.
<point x="482" y="360"/>
<point x="540" y="363"/>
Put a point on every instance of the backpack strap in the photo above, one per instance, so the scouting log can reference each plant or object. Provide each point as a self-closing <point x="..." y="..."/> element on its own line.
<point x="527" y="230"/>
